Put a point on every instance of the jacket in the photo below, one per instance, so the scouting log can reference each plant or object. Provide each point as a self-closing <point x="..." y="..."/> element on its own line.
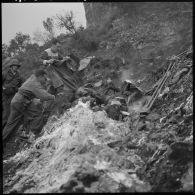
<point x="11" y="82"/>
<point x="48" y="54"/>
<point x="59" y="73"/>
<point x="32" y="88"/>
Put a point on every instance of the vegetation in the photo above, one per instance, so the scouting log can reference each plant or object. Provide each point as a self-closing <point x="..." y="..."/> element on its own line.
<point x="27" y="49"/>
<point x="151" y="151"/>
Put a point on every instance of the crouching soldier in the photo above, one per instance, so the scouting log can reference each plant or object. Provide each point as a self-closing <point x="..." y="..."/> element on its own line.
<point x="24" y="106"/>
<point x="11" y="81"/>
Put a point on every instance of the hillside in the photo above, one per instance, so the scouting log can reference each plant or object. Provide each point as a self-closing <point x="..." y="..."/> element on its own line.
<point x="93" y="146"/>
<point x="143" y="33"/>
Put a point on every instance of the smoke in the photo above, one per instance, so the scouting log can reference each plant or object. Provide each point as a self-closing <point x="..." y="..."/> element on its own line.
<point x="126" y="74"/>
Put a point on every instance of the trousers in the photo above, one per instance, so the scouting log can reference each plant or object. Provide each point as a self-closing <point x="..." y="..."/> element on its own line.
<point x="19" y="112"/>
<point x="6" y="109"/>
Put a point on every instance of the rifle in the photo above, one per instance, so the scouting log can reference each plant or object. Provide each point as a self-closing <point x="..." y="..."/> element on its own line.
<point x="160" y="85"/>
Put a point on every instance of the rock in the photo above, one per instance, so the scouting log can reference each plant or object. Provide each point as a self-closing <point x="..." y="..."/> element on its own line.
<point x="98" y="84"/>
<point x="68" y="187"/>
<point x="179" y="74"/>
<point x="121" y="99"/>
<point x="131" y="182"/>
<point x="14" y="192"/>
<point x="181" y="152"/>
<point x="138" y="104"/>
<point x="149" y="125"/>
<point x="102" y="44"/>
<point x="79" y="189"/>
<point x="100" y="125"/>
<point x="87" y="176"/>
<point x="115" y="102"/>
<point x="141" y="126"/>
<point x="113" y="111"/>
<point x="153" y="116"/>
<point x="119" y="62"/>
<point x="131" y="146"/>
<point x="81" y="91"/>
<point x="164" y="92"/>
<point x="187" y="180"/>
<point x="114" y="143"/>
<point x="85" y="62"/>
<point x="96" y="108"/>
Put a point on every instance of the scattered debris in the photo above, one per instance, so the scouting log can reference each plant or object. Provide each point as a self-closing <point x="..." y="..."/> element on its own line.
<point x="109" y="141"/>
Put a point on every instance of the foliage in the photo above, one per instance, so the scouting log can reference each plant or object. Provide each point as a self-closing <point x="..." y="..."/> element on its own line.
<point x="113" y="152"/>
<point x="18" y="44"/>
<point x="30" y="59"/>
<point x="158" y="151"/>
<point x="49" y="26"/>
<point x="73" y="37"/>
<point x="5" y="52"/>
<point x="27" y="53"/>
<point x="86" y="40"/>
<point x="67" y="21"/>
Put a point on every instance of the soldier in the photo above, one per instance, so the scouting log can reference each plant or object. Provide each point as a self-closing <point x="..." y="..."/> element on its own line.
<point x="24" y="105"/>
<point x="48" y="58"/>
<point x="11" y="80"/>
<point x="61" y="76"/>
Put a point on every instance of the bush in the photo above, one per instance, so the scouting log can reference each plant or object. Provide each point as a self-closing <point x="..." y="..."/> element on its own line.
<point x="86" y="40"/>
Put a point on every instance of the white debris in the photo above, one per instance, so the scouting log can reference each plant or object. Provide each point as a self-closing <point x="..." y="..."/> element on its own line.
<point x="84" y="62"/>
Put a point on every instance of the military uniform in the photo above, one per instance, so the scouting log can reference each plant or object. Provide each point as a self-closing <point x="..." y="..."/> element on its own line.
<point x="62" y="80"/>
<point x="11" y="82"/>
<point x="24" y="106"/>
<point x="55" y="79"/>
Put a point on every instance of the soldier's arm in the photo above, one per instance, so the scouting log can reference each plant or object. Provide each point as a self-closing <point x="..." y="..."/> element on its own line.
<point x="60" y="57"/>
<point x="20" y="81"/>
<point x="8" y="88"/>
<point x="75" y="58"/>
<point x="44" y="57"/>
<point x="42" y="94"/>
<point x="17" y="83"/>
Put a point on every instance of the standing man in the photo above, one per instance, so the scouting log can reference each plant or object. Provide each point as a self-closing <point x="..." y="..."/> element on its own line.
<point x="23" y="105"/>
<point x="61" y="76"/>
<point x="48" y="58"/>
<point x="11" y="81"/>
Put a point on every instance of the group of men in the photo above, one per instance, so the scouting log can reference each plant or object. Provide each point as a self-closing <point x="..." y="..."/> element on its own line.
<point x="28" y="102"/>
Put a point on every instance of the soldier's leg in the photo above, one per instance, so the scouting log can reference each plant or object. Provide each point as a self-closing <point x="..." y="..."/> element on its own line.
<point x="14" y="120"/>
<point x="59" y="101"/>
<point x="35" y="117"/>
<point x="49" y="105"/>
<point x="6" y="111"/>
<point x="25" y="127"/>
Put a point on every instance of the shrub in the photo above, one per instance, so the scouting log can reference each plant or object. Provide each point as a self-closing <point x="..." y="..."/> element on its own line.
<point x="86" y="40"/>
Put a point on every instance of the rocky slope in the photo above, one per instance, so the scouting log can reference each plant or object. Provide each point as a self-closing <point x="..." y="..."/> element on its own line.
<point x="93" y="147"/>
<point x="85" y="150"/>
<point x="143" y="33"/>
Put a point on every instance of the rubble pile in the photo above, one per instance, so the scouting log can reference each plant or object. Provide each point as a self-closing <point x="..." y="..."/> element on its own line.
<point x="76" y="157"/>
<point x="99" y="68"/>
<point x="100" y="145"/>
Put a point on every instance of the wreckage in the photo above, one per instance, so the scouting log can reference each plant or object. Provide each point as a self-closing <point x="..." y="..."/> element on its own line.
<point x="114" y="138"/>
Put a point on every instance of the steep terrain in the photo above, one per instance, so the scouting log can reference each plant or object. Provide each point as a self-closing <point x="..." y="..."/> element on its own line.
<point x="93" y="147"/>
<point x="86" y="151"/>
<point x="143" y="33"/>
